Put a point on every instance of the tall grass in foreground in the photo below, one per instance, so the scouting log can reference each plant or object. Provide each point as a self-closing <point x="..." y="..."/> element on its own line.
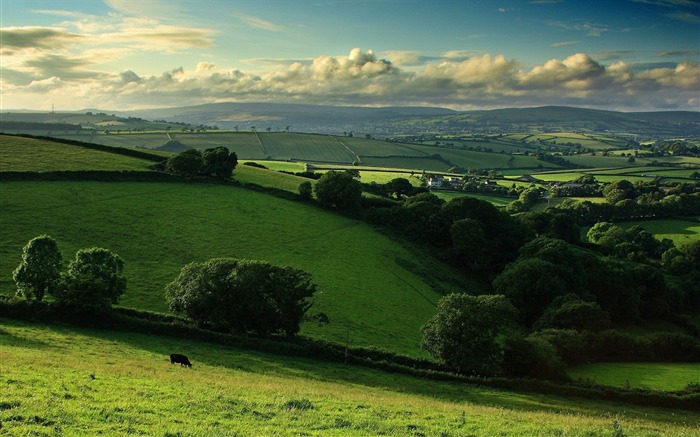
<point x="60" y="380"/>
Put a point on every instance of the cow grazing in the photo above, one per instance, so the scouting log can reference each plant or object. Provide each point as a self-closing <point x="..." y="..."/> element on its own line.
<point x="182" y="359"/>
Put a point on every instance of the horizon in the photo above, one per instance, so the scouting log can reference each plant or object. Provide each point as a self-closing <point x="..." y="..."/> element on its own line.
<point x="122" y="55"/>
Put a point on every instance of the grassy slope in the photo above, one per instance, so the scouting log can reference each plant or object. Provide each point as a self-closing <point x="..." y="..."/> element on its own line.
<point x="85" y="382"/>
<point x="385" y="291"/>
<point x="677" y="230"/>
<point x="658" y="376"/>
<point x="26" y="154"/>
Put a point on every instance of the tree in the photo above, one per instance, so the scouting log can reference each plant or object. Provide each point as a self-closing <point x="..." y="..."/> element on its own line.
<point x="463" y="332"/>
<point x="531" y="284"/>
<point x="339" y="189"/>
<point x="305" y="190"/>
<point x="94" y="280"/>
<point x="219" y="162"/>
<point x="234" y="295"/>
<point x="39" y="272"/>
<point x="399" y="187"/>
<point x="187" y="163"/>
<point x="619" y="190"/>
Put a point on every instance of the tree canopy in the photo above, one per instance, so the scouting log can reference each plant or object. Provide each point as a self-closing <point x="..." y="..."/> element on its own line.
<point x="339" y="189"/>
<point x="235" y="295"/>
<point x="464" y="330"/>
<point x="39" y="272"/>
<point x="94" y="280"/>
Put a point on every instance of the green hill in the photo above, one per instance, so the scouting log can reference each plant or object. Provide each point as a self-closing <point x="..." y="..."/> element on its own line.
<point x="30" y="154"/>
<point x="381" y="289"/>
<point x="69" y="381"/>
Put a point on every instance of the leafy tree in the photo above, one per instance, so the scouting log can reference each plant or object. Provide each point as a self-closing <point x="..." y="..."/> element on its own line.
<point x="531" y="284"/>
<point x="219" y="162"/>
<point x="305" y="190"/>
<point x="463" y="332"/>
<point x="571" y="312"/>
<point x="235" y="295"/>
<point x="39" y="272"/>
<point x="339" y="189"/>
<point x="399" y="187"/>
<point x="619" y="190"/>
<point x="187" y="163"/>
<point x="94" y="280"/>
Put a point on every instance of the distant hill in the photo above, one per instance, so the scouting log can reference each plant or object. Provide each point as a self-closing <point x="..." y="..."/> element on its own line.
<point x="411" y="120"/>
<point x="379" y="122"/>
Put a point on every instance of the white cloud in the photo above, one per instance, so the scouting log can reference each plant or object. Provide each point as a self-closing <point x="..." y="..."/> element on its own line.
<point x="259" y="23"/>
<point x="361" y="78"/>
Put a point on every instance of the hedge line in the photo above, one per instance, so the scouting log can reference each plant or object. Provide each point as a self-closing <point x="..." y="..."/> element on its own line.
<point x="91" y="175"/>
<point x="131" y="320"/>
<point x="118" y="150"/>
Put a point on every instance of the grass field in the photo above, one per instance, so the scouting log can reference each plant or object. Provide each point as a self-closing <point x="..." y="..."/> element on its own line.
<point x="384" y="290"/>
<point x="27" y="154"/>
<point x="657" y="376"/>
<point x="66" y="381"/>
<point x="677" y="230"/>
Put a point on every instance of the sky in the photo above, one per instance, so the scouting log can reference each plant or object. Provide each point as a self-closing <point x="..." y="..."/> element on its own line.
<point x="629" y="55"/>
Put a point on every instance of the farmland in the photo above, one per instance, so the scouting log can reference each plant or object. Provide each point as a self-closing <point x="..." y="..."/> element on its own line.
<point x="159" y="227"/>
<point x="122" y="383"/>
<point x="657" y="376"/>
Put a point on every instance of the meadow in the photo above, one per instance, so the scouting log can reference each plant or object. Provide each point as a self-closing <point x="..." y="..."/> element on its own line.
<point x="27" y="154"/>
<point x="680" y="231"/>
<point x="70" y="381"/>
<point x="379" y="288"/>
<point x="656" y="376"/>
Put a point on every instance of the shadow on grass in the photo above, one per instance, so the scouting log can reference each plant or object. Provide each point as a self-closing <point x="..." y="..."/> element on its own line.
<point x="7" y="338"/>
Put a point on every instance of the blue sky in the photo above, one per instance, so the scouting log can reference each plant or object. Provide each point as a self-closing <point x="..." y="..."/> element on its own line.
<point x="121" y="54"/>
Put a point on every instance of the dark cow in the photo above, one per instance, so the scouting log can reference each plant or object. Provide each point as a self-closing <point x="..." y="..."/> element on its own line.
<point x="182" y="359"/>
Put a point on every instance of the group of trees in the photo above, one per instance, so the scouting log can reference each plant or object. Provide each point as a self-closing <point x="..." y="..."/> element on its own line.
<point x="223" y="294"/>
<point x="216" y="162"/>
<point x="240" y="296"/>
<point x="93" y="281"/>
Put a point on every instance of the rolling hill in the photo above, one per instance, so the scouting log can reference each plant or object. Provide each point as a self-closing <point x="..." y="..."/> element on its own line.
<point x="381" y="289"/>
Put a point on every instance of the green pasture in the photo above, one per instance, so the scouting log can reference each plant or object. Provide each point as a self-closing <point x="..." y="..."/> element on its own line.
<point x="407" y="163"/>
<point x="586" y="160"/>
<point x="270" y="178"/>
<point x="382" y="177"/>
<point x="364" y="147"/>
<point x="656" y="376"/>
<point x="60" y="380"/>
<point x="27" y="154"/>
<point x="496" y="200"/>
<point x="246" y="144"/>
<point x="294" y="167"/>
<point x="382" y="289"/>
<point x="679" y="231"/>
<point x="304" y="147"/>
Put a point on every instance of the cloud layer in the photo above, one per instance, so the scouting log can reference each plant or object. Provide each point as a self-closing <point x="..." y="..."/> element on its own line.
<point x="41" y="63"/>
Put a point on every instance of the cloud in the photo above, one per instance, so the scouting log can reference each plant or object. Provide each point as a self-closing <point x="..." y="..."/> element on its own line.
<point x="679" y="53"/>
<point x="565" y="43"/>
<point x="37" y="37"/>
<point x="591" y="29"/>
<point x="259" y="23"/>
<point x="362" y="78"/>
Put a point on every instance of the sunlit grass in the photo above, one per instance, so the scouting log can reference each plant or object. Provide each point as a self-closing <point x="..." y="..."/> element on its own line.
<point x="658" y="376"/>
<point x="61" y="380"/>
<point x="385" y="290"/>
<point x="27" y="154"/>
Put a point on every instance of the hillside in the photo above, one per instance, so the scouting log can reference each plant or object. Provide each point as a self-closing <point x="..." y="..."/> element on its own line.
<point x="63" y="380"/>
<point x="30" y="154"/>
<point x="381" y="289"/>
